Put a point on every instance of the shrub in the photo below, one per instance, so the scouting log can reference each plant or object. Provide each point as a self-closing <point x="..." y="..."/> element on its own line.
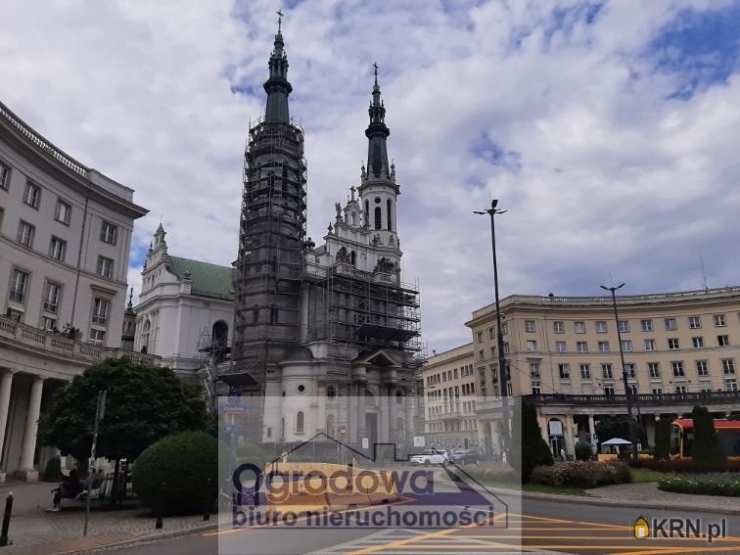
<point x="528" y="449"/>
<point x="686" y="466"/>
<point x="723" y="484"/>
<point x="178" y="474"/>
<point x="663" y="438"/>
<point x="582" y="474"/>
<point x="583" y="451"/>
<point x="53" y="470"/>
<point x="706" y="448"/>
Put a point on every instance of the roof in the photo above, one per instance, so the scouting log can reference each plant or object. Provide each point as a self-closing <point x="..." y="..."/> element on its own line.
<point x="209" y="280"/>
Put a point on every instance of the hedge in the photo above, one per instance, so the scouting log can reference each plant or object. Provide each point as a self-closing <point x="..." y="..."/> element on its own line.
<point x="178" y="474"/>
<point x="582" y="474"/>
<point x="725" y="485"/>
<point x="686" y="466"/>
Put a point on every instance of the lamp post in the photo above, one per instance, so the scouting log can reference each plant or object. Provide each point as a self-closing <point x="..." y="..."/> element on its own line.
<point x="502" y="370"/>
<point x="627" y="392"/>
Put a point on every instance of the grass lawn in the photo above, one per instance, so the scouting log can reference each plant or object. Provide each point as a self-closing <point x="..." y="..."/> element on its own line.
<point x="643" y="475"/>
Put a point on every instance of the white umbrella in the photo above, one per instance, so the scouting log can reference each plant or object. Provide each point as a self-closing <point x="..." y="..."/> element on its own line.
<point x="617" y="441"/>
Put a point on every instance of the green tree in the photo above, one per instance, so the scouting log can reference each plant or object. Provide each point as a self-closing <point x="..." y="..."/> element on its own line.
<point x="528" y="449"/>
<point x="145" y="403"/>
<point x="706" y="447"/>
<point x="609" y="427"/>
<point x="663" y="438"/>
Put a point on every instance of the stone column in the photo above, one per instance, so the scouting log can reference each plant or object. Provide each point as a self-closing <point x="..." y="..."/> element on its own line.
<point x="568" y="435"/>
<point x="6" y="384"/>
<point x="32" y="425"/>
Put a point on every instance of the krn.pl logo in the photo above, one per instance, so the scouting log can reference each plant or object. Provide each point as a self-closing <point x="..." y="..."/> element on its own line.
<point x="641" y="528"/>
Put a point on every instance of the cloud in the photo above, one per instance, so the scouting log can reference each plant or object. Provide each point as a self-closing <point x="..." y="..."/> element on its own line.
<point x="608" y="129"/>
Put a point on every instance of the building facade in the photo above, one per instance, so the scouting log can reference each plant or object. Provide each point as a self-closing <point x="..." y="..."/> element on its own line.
<point x="65" y="235"/>
<point x="680" y="349"/>
<point x="185" y="310"/>
<point x="333" y="321"/>
<point x="451" y="390"/>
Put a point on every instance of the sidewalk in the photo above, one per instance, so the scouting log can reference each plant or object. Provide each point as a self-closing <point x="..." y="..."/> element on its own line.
<point x="34" y="530"/>
<point x="641" y="492"/>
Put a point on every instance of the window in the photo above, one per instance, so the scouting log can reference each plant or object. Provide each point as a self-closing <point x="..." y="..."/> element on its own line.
<point x="646" y="325"/>
<point x="650" y="344"/>
<point x="52" y="293"/>
<point x="32" y="195"/>
<point x="26" y="233"/>
<point x="299" y="422"/>
<point x="654" y="369"/>
<point x="4" y="176"/>
<point x="624" y="326"/>
<point x="490" y="333"/>
<point x="15" y="315"/>
<point x="582" y="346"/>
<point x="564" y="371"/>
<point x="558" y="326"/>
<point x="723" y="340"/>
<point x="694" y="322"/>
<point x="97" y="336"/>
<point x="506" y="347"/>
<point x="677" y="366"/>
<point x="603" y="346"/>
<point x="697" y="342"/>
<point x="531" y="346"/>
<point x="657" y="391"/>
<point x="101" y="308"/>
<point x="579" y="327"/>
<point x="534" y="369"/>
<point x="609" y="391"/>
<point x="719" y="320"/>
<point x="728" y="366"/>
<point x="57" y="248"/>
<point x="670" y="324"/>
<point x="480" y="337"/>
<point x="481" y="356"/>
<point x="601" y="327"/>
<point x="504" y="328"/>
<point x="108" y="233"/>
<point x="702" y="368"/>
<point x="681" y="389"/>
<point x="560" y="346"/>
<point x="630" y="369"/>
<point x="19" y="286"/>
<point x="536" y="390"/>
<point x="627" y="345"/>
<point x="48" y="323"/>
<point x="105" y="267"/>
<point x="673" y="343"/>
<point x="378" y="218"/>
<point x="63" y="212"/>
<point x="731" y="385"/>
<point x="388" y="213"/>
<point x="585" y="371"/>
<point x="529" y="326"/>
<point x="606" y="371"/>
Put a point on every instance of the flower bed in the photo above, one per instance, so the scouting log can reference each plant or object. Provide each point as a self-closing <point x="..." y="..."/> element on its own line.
<point x="719" y="484"/>
<point x="582" y="474"/>
<point x="686" y="466"/>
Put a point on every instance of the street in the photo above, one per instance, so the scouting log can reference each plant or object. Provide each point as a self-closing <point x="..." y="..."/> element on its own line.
<point x="542" y="526"/>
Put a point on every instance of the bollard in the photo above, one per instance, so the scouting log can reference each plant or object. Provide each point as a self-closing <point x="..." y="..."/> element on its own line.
<point x="6" y="520"/>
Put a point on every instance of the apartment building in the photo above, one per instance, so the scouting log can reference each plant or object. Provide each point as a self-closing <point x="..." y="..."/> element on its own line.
<point x="65" y="236"/>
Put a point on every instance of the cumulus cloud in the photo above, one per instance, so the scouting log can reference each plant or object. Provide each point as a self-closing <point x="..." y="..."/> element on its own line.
<point x="602" y="127"/>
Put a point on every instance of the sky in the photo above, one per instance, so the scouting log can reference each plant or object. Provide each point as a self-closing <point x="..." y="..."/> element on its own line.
<point x="607" y="129"/>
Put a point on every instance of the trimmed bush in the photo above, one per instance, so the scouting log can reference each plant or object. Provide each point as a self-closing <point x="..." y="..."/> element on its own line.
<point x="686" y="466"/>
<point x="583" y="451"/>
<point x="53" y="470"/>
<point x="178" y="474"/>
<point x="582" y="474"/>
<point x="663" y="439"/>
<point x="706" y="448"/>
<point x="723" y="484"/>
<point x="528" y="449"/>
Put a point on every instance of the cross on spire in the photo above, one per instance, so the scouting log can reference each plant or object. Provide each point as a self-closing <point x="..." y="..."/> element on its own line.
<point x="280" y="18"/>
<point x="375" y="68"/>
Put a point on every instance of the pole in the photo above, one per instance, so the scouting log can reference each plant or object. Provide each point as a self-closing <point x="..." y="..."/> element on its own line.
<point x="99" y="413"/>
<point x="627" y="391"/>
<point x="6" y="520"/>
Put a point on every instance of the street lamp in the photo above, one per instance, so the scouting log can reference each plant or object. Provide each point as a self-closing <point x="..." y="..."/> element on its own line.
<point x="503" y="377"/>
<point x="627" y="391"/>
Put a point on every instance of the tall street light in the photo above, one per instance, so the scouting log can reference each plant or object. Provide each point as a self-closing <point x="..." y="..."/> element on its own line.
<point x="503" y="377"/>
<point x="627" y="392"/>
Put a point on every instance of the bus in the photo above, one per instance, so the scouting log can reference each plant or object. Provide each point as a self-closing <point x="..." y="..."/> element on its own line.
<point x="682" y="437"/>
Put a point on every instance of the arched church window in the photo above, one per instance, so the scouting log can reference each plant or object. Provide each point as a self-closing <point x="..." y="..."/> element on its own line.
<point x="353" y="258"/>
<point x="378" y="218"/>
<point x="299" y="422"/>
<point x="219" y="340"/>
<point x="388" y="212"/>
<point x="367" y="212"/>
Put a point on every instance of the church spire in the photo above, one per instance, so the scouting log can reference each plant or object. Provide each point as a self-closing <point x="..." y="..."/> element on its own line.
<point x="277" y="86"/>
<point x="377" y="133"/>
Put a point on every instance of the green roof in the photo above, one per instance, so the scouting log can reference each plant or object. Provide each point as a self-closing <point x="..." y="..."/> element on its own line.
<point x="209" y="280"/>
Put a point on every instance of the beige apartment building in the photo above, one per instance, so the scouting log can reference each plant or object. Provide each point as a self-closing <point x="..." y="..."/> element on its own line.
<point x="65" y="236"/>
<point x="681" y="349"/>
<point x="450" y="391"/>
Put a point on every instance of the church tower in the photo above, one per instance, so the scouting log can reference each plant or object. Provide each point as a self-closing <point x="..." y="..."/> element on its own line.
<point x="271" y="237"/>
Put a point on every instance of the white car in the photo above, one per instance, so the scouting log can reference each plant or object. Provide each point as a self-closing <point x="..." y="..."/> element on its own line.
<point x="430" y="456"/>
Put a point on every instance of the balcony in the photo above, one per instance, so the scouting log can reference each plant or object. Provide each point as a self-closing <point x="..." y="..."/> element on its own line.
<point x="52" y="344"/>
<point x="661" y="399"/>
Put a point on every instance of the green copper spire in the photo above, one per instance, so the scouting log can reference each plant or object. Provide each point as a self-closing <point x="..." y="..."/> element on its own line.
<point x="277" y="86"/>
<point x="377" y="133"/>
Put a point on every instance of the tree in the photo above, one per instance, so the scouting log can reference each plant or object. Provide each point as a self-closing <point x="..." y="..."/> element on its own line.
<point x="145" y="403"/>
<point x="706" y="447"/>
<point x="663" y="438"/>
<point x="609" y="427"/>
<point x="528" y="449"/>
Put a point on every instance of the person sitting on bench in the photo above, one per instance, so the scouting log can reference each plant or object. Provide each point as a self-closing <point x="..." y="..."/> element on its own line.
<point x="70" y="488"/>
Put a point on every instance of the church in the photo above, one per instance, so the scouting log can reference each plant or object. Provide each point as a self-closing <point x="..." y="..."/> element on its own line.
<point x="325" y="338"/>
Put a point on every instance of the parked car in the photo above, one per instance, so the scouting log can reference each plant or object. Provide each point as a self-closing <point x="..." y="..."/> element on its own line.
<point x="464" y="456"/>
<point x="430" y="456"/>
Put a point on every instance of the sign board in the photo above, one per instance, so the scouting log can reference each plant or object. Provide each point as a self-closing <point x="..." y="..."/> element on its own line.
<point x="555" y="427"/>
<point x="419" y="441"/>
<point x="365" y="443"/>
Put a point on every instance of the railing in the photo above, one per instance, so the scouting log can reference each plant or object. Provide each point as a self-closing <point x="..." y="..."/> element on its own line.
<point x="54" y="343"/>
<point x="702" y="397"/>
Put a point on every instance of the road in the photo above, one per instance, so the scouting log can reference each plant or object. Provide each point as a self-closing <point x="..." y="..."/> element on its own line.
<point x="538" y="526"/>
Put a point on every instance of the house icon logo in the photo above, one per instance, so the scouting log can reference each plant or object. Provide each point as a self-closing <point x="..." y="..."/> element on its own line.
<point x="641" y="528"/>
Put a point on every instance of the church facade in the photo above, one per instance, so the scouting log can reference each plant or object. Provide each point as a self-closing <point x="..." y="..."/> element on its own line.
<point x="325" y="336"/>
